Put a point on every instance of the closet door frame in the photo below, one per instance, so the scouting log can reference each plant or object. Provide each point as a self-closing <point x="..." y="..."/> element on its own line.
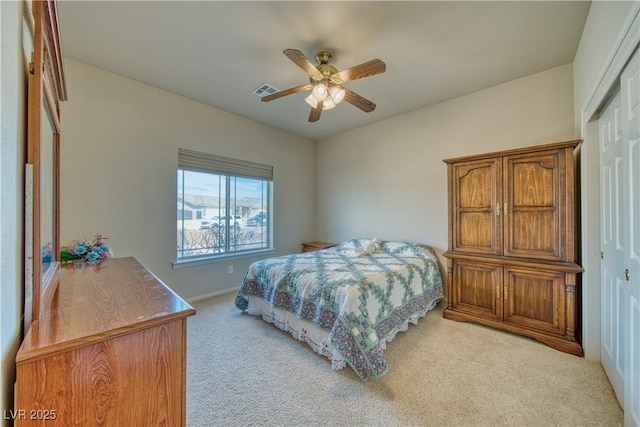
<point x="630" y="85"/>
<point x="589" y="202"/>
<point x="621" y="51"/>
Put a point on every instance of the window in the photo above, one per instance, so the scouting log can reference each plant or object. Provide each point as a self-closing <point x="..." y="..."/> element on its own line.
<point x="231" y="201"/>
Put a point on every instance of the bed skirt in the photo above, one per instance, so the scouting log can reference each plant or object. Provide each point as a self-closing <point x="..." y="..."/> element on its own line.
<point x="315" y="337"/>
<point x="304" y="331"/>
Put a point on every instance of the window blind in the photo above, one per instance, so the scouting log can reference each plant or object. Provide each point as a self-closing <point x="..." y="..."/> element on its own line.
<point x="204" y="162"/>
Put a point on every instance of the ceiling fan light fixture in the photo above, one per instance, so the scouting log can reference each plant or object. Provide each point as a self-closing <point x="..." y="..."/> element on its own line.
<point x="327" y="104"/>
<point x="337" y="94"/>
<point x="311" y="100"/>
<point x="319" y="92"/>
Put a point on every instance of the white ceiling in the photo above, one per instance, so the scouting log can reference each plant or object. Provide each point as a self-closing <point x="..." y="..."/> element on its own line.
<point x="218" y="52"/>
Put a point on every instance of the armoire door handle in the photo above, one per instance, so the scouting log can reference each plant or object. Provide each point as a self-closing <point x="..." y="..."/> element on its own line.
<point x="627" y="275"/>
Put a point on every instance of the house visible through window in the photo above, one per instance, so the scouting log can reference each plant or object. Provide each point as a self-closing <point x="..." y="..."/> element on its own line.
<point x="223" y="206"/>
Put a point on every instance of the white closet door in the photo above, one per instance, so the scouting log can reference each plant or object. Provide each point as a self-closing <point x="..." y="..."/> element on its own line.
<point x="630" y="89"/>
<point x="614" y="290"/>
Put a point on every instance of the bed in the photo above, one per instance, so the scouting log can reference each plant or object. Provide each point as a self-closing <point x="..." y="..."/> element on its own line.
<point x="346" y="302"/>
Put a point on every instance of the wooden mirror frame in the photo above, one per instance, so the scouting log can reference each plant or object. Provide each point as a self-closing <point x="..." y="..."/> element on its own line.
<point x="46" y="89"/>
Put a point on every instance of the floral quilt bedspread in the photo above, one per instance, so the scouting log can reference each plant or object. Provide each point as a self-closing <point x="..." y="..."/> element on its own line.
<point x="362" y="292"/>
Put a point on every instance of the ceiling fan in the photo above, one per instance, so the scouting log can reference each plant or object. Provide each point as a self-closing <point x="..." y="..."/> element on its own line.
<point x="325" y="83"/>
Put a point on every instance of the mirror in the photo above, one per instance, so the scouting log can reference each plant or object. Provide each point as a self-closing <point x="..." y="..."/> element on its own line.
<point x="47" y="194"/>
<point x="46" y="90"/>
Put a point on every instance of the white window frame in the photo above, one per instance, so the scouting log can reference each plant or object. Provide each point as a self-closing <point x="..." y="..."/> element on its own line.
<point x="189" y="160"/>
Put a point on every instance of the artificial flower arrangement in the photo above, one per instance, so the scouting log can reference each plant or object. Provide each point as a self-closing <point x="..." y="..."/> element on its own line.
<point x="87" y="250"/>
<point x="47" y="253"/>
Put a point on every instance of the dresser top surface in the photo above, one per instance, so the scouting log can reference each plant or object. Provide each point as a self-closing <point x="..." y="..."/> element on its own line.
<point x="94" y="301"/>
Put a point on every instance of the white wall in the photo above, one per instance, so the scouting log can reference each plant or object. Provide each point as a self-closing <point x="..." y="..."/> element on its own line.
<point x="12" y="142"/>
<point x="611" y="31"/>
<point x="601" y="35"/>
<point x="388" y="179"/>
<point x="118" y="173"/>
<point x="120" y="142"/>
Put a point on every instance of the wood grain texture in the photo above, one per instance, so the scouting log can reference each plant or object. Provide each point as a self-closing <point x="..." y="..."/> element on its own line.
<point x="476" y="291"/>
<point x="535" y="203"/>
<point x="316" y="246"/>
<point x="110" y="351"/>
<point x="303" y="62"/>
<point x="535" y="299"/>
<point x="46" y="89"/>
<point x="477" y="193"/>
<point x="114" y="297"/>
<point x="358" y="101"/>
<point x="511" y="257"/>
<point x="370" y="68"/>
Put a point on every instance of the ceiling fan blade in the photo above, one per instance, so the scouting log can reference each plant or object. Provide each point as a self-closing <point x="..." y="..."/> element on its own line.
<point x="362" y="103"/>
<point x="286" y="92"/>
<point x="367" y="69"/>
<point x="314" y="114"/>
<point x="303" y="62"/>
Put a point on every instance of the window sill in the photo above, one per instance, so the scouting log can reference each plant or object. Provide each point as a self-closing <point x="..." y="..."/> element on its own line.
<point x="220" y="258"/>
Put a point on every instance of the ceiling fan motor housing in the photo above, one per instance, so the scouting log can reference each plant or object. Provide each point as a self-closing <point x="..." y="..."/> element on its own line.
<point x="326" y="71"/>
<point x="323" y="57"/>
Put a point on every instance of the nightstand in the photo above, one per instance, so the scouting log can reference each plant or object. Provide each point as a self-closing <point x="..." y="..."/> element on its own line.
<point x="316" y="246"/>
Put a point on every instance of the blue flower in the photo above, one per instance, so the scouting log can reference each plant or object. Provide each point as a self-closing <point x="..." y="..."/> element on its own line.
<point x="92" y="256"/>
<point x="85" y="250"/>
<point x="46" y="255"/>
<point x="80" y="250"/>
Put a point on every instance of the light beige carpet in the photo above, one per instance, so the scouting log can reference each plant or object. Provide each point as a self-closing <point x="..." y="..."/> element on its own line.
<point x="243" y="371"/>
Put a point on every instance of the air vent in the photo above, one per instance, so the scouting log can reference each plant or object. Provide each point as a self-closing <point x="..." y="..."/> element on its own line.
<point x="264" y="90"/>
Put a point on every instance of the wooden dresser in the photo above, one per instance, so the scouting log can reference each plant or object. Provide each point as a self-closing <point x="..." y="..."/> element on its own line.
<point x="109" y="351"/>
<point x="512" y="233"/>
<point x="316" y="246"/>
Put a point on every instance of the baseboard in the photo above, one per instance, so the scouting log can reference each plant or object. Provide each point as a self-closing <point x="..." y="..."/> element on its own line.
<point x="212" y="294"/>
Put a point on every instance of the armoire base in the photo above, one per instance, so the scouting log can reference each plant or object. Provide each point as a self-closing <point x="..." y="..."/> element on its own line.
<point x="556" y="342"/>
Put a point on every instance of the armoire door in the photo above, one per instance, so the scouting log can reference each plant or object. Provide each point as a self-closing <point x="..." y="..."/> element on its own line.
<point x="477" y="220"/>
<point x="477" y="289"/>
<point x="533" y="205"/>
<point x="535" y="299"/>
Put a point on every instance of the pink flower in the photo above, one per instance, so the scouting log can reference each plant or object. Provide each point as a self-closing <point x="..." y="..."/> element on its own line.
<point x="99" y="240"/>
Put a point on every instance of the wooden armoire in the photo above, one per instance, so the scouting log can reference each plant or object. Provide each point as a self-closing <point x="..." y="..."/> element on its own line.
<point x="512" y="236"/>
